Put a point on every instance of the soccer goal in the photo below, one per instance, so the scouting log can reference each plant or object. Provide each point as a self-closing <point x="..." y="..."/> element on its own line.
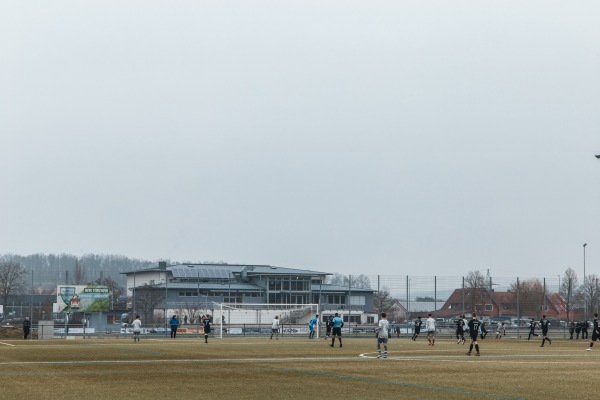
<point x="257" y="319"/>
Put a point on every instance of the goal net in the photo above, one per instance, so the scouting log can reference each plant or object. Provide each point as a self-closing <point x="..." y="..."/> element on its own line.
<point x="257" y="319"/>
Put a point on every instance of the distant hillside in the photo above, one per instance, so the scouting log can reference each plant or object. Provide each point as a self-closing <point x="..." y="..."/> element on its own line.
<point x="49" y="270"/>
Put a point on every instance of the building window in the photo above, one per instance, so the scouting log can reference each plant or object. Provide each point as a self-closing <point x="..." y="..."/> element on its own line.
<point x="488" y="307"/>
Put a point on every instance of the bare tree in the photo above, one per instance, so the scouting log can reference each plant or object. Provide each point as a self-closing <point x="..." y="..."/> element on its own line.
<point x="361" y="281"/>
<point x="337" y="279"/>
<point x="383" y="299"/>
<point x="476" y="289"/>
<point x="147" y="297"/>
<point x="531" y="296"/>
<point x="119" y="300"/>
<point x="79" y="273"/>
<point x="12" y="279"/>
<point x="589" y="294"/>
<point x="192" y="310"/>
<point x="567" y="287"/>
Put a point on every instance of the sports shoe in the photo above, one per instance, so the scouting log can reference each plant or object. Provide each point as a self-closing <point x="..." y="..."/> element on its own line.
<point x="590" y="349"/>
<point x="458" y="341"/>
<point x="384" y="356"/>
<point x="429" y="344"/>
<point x="379" y="356"/>
<point x="468" y="353"/>
<point x="330" y="345"/>
<point x="340" y="345"/>
<point x="477" y="354"/>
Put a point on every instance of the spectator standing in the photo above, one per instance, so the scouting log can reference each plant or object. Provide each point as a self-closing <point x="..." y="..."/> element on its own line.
<point x="577" y="329"/>
<point x="174" y="322"/>
<point x="585" y="325"/>
<point x="572" y="329"/>
<point x="26" y="328"/>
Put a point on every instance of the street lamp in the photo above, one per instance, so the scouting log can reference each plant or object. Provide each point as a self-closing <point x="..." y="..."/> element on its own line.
<point x="584" y="287"/>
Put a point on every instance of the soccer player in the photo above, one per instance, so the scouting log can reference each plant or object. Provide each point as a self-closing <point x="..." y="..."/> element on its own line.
<point x="137" y="328"/>
<point x="430" y="328"/>
<point x="418" y="324"/>
<point x="595" y="332"/>
<point x="532" y="326"/>
<point x="474" y="325"/>
<point x="328" y="325"/>
<point x="500" y="331"/>
<point x="382" y="335"/>
<point x="460" y="330"/>
<point x="336" y="329"/>
<point x="206" y="323"/>
<point x="544" y="324"/>
<point x="483" y="330"/>
<point x="311" y="326"/>
<point x="275" y="328"/>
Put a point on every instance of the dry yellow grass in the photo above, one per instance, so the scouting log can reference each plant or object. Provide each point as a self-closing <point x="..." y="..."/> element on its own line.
<point x="294" y="368"/>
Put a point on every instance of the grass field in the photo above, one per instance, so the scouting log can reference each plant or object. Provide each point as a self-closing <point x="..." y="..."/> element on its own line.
<point x="295" y="368"/>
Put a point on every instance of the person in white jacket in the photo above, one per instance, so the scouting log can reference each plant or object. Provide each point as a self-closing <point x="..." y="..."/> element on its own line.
<point x="430" y="328"/>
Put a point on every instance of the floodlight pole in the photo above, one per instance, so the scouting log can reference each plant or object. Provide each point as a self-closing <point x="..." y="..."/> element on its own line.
<point x="585" y="309"/>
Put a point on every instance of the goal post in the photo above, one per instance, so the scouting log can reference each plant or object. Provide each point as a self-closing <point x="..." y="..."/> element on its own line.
<point x="247" y="319"/>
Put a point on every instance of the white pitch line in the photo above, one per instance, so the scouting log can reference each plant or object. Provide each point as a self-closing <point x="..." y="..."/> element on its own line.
<point x="7" y="344"/>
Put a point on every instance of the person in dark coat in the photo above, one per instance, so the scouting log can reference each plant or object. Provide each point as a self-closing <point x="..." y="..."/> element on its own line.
<point x="26" y="328"/>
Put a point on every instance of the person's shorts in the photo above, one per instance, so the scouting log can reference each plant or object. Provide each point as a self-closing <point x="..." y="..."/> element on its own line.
<point x="383" y="340"/>
<point x="474" y="337"/>
<point x="274" y="330"/>
<point x="337" y="331"/>
<point x="595" y="336"/>
<point x="207" y="330"/>
<point x="417" y="330"/>
<point x="431" y="332"/>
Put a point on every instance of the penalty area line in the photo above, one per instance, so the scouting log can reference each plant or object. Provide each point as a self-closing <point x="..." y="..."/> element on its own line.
<point x="7" y="344"/>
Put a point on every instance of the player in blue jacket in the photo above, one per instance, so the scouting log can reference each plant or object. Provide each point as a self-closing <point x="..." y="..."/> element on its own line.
<point x="311" y="326"/>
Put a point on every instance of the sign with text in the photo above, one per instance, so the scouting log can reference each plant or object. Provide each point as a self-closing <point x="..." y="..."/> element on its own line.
<point x="79" y="298"/>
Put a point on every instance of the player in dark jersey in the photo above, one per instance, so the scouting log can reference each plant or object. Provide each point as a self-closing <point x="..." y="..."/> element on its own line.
<point x="474" y="325"/>
<point x="418" y="324"/>
<point x="544" y="324"/>
<point x="532" y="326"/>
<point x="595" y="332"/>
<point x="483" y="330"/>
<point x="460" y="330"/>
<point x="206" y="323"/>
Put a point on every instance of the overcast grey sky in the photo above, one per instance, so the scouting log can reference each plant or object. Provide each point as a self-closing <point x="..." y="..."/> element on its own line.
<point x="388" y="137"/>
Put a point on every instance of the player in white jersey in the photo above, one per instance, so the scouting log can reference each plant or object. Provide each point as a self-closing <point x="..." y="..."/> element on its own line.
<point x="275" y="328"/>
<point x="430" y="328"/>
<point x="382" y="335"/>
<point x="137" y="328"/>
